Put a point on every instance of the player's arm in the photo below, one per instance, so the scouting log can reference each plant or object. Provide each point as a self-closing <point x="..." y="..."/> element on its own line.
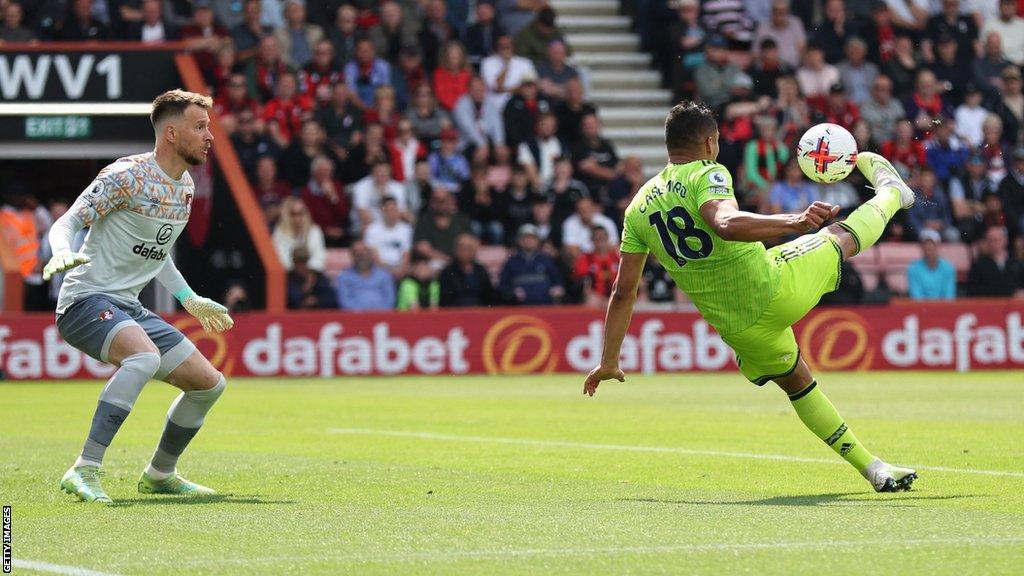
<point x="104" y="195"/>
<point x="211" y="315"/>
<point x="730" y="223"/>
<point x="616" y="322"/>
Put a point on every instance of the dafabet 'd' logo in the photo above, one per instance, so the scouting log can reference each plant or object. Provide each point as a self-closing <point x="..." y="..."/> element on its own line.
<point x="518" y="344"/>
<point x="836" y="340"/>
<point x="218" y="356"/>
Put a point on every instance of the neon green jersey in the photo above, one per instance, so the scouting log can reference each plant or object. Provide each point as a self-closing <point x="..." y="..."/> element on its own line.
<point x="731" y="283"/>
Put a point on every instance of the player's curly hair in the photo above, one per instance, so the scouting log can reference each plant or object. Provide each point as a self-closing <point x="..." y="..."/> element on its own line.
<point x="173" y="103"/>
<point x="688" y="124"/>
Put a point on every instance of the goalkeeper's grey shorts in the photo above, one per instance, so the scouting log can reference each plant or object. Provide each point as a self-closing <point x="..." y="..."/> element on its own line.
<point x="91" y="324"/>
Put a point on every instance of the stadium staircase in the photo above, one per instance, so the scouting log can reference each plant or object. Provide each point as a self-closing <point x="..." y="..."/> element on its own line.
<point x="624" y="87"/>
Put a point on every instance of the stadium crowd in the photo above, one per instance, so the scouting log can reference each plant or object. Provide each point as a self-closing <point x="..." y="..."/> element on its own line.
<point x="411" y="132"/>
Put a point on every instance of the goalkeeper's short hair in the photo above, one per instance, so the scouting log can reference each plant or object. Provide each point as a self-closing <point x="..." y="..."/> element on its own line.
<point x="173" y="103"/>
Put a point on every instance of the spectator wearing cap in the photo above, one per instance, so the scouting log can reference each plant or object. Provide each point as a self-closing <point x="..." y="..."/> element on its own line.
<point x="539" y="153"/>
<point x="816" y="76"/>
<point x="13" y="29"/>
<point x="881" y="111"/>
<point x="944" y="151"/>
<point x="437" y="231"/>
<point x="767" y="69"/>
<point x="1010" y="29"/>
<point x="931" y="277"/>
<point x="950" y="70"/>
<point x="451" y="78"/>
<point x="203" y="36"/>
<point x="308" y="289"/>
<point x="365" y="286"/>
<point x="435" y="33"/>
<point x="554" y="72"/>
<point x="478" y="116"/>
<point x="950" y="24"/>
<point x="286" y="112"/>
<point x="597" y="269"/>
<point x="448" y="169"/>
<point x="428" y="119"/>
<point x="969" y="116"/>
<point x="297" y="37"/>
<point x="716" y="76"/>
<point x="529" y="276"/>
<point x="481" y="37"/>
<point x="465" y="281"/>
<point x="263" y="73"/>
<point x="932" y="210"/>
<point x="327" y="201"/>
<point x="857" y="73"/>
<point x="503" y="71"/>
<point x="368" y="195"/>
<point x="595" y="160"/>
<point x="522" y="110"/>
<point x="296" y="228"/>
<point x="764" y="156"/>
<point x="319" y="76"/>
<point x="1010" y="106"/>
<point x="393" y="31"/>
<point x="967" y="192"/>
<point x="345" y="34"/>
<point x="366" y="73"/>
<point x="988" y="67"/>
<point x="571" y="111"/>
<point x="247" y="34"/>
<point x="926" y="106"/>
<point x="390" y="237"/>
<point x="1011" y="191"/>
<point x="995" y="273"/>
<point x="532" y="42"/>
<point x="786" y="30"/>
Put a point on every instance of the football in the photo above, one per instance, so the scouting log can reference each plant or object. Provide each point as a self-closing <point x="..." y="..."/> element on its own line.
<point x="827" y="153"/>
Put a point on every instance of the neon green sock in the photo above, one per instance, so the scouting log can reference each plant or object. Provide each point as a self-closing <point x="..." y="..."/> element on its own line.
<point x="868" y="222"/>
<point x="821" y="417"/>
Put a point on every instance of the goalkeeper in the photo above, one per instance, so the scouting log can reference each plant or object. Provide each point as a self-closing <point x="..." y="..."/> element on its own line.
<point x="135" y="209"/>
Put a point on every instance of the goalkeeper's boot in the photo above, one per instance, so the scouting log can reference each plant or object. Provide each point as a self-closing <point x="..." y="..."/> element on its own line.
<point x="882" y="174"/>
<point x="84" y="482"/>
<point x="173" y="484"/>
<point x="888" y="478"/>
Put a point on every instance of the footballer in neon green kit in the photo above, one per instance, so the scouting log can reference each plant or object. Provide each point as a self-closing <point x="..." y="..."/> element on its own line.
<point x="688" y="217"/>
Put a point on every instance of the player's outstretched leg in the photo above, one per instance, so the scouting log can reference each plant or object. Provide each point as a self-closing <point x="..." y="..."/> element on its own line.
<point x="867" y="223"/>
<point x="115" y="403"/>
<point x="185" y="417"/>
<point x="821" y="417"/>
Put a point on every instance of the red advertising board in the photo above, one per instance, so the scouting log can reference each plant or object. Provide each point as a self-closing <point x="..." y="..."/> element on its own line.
<point x="960" y="336"/>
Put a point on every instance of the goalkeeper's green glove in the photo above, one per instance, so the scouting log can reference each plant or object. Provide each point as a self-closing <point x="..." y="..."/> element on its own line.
<point x="213" y="316"/>
<point x="62" y="261"/>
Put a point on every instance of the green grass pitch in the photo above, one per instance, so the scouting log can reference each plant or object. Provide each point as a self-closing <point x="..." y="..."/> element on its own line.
<point x="669" y="474"/>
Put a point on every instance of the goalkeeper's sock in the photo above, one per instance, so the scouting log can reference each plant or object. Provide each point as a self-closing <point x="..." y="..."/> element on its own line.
<point x="868" y="222"/>
<point x="821" y="417"/>
<point x="186" y="416"/>
<point x="116" y="403"/>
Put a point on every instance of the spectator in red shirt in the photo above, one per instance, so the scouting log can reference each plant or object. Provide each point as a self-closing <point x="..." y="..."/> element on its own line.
<point x="385" y="112"/>
<point x="406" y="149"/>
<point x="838" y="109"/>
<point x="285" y="112"/>
<point x="233" y="101"/>
<point x="270" y="190"/>
<point x="204" y="37"/>
<point x="266" y="69"/>
<point x="327" y="201"/>
<point x="926" y="107"/>
<point x="451" y="79"/>
<point x="904" y="149"/>
<point x="598" y="269"/>
<point x="323" y="72"/>
<point x="225" y="64"/>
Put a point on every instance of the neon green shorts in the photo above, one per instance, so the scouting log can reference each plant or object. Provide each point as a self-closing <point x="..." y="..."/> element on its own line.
<point x="809" y="268"/>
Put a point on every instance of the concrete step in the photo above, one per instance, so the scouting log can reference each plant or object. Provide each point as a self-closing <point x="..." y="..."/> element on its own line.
<point x="590" y="23"/>
<point x="625" y="79"/>
<point x="649" y="154"/>
<point x="631" y="97"/>
<point x="585" y="8"/>
<point x="638" y="135"/>
<point x="634" y="116"/>
<point x="603" y="42"/>
<point x="614" y="60"/>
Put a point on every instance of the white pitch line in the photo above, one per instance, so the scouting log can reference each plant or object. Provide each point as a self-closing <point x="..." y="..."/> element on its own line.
<point x="56" y="568"/>
<point x="629" y="448"/>
<point x="443" y="555"/>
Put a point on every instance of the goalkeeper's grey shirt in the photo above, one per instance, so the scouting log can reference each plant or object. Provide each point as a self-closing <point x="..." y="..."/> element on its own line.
<point x="135" y="212"/>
